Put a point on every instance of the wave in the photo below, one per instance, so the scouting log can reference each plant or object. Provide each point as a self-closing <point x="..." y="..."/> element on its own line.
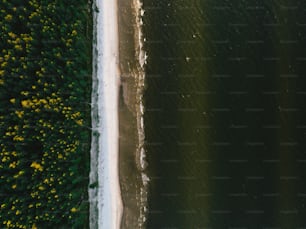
<point x="141" y="155"/>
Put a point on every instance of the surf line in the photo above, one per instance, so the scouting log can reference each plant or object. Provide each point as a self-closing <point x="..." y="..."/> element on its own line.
<point x="140" y="154"/>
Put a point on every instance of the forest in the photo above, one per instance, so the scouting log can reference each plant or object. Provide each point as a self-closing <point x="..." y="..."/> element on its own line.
<point x="45" y="92"/>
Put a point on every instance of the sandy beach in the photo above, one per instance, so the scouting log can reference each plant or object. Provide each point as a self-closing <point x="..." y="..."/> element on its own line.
<point x="117" y="153"/>
<point x="105" y="198"/>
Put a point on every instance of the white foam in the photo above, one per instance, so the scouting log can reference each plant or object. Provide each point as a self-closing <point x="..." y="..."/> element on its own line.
<point x="142" y="57"/>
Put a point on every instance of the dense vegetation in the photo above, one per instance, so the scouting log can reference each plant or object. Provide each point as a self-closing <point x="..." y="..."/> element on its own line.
<point x="44" y="113"/>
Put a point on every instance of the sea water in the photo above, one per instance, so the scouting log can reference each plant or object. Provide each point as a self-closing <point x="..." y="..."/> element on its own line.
<point x="225" y="113"/>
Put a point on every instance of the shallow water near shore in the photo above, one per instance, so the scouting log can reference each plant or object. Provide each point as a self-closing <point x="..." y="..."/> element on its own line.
<point x="225" y="113"/>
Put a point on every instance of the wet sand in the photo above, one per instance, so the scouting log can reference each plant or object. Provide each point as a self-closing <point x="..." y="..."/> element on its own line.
<point x="129" y="138"/>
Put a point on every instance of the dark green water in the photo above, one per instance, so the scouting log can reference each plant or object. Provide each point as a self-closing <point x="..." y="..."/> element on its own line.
<point x="225" y="113"/>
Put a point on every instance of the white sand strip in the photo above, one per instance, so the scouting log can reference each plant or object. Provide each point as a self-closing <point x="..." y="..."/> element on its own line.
<point x="109" y="195"/>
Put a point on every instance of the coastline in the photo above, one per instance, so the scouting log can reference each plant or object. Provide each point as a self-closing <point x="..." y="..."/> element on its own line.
<point x="104" y="191"/>
<point x="117" y="148"/>
<point x="132" y="164"/>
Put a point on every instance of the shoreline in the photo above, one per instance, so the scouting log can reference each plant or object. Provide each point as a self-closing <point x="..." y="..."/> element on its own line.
<point x="117" y="147"/>
<point x="105" y="195"/>
<point x="132" y="164"/>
